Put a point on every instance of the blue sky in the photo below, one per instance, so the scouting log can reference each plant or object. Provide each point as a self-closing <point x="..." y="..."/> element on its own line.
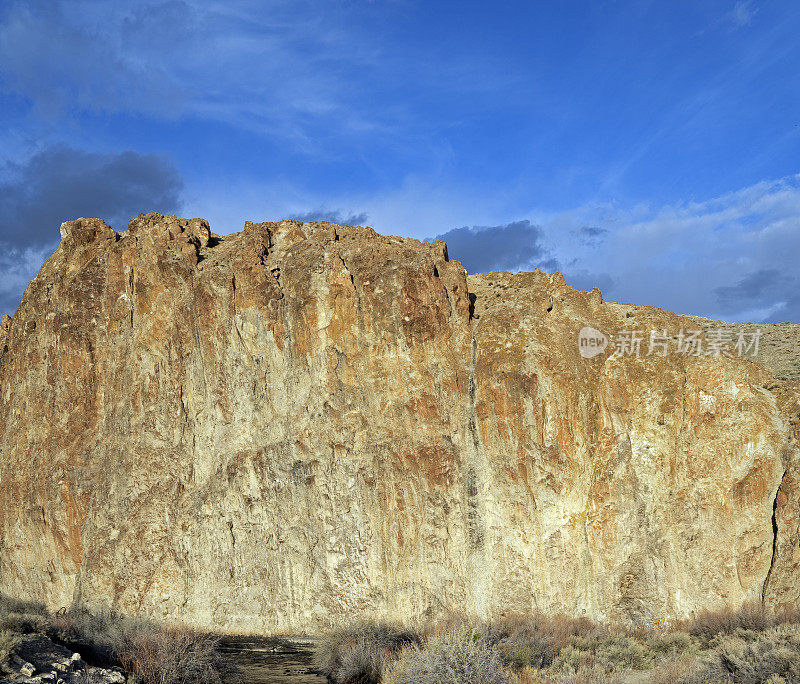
<point x="651" y="148"/>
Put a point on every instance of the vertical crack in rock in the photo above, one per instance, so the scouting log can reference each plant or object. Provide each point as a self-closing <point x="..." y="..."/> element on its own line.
<point x="359" y="308"/>
<point x="231" y="568"/>
<point x="5" y="336"/>
<point x="275" y="272"/>
<point x="774" y="538"/>
<point x="233" y="536"/>
<point x="474" y="522"/>
<point x="132" y="286"/>
<point x="236" y="313"/>
<point x="474" y="528"/>
<point x="199" y="346"/>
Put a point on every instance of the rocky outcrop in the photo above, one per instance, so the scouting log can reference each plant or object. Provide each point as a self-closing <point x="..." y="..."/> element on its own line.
<point x="303" y="423"/>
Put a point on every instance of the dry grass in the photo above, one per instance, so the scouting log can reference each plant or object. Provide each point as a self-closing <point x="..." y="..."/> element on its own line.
<point x="749" y="657"/>
<point x="751" y="616"/>
<point x="8" y="644"/>
<point x="749" y="645"/>
<point x="584" y="676"/>
<point x="459" y="656"/>
<point x="23" y="617"/>
<point x="172" y="656"/>
<point x="675" y="670"/>
<point x="535" y="641"/>
<point x="360" y="653"/>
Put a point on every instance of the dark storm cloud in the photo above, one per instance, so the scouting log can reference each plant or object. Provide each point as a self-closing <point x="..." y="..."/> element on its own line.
<point x="591" y="235"/>
<point x="765" y="288"/>
<point x="333" y="216"/>
<point x="490" y="248"/>
<point x="586" y="280"/>
<point x="60" y="183"/>
<point x="753" y="288"/>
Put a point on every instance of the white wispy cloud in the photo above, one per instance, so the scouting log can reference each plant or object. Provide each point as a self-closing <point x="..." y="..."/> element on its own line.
<point x="295" y="70"/>
<point x="741" y="14"/>
<point x="731" y="257"/>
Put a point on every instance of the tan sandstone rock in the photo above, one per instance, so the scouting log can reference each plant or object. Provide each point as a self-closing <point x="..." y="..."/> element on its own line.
<point x="304" y="423"/>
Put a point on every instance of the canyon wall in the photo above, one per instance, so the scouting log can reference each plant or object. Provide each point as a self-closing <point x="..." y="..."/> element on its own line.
<point x="303" y="423"/>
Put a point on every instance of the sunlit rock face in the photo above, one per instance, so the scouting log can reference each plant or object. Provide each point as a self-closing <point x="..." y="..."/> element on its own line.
<point x="303" y="423"/>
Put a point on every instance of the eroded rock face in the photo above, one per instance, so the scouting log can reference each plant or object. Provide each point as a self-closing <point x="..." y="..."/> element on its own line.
<point x="300" y="424"/>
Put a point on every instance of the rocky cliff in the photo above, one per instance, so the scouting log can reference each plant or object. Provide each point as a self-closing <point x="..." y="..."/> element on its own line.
<point x="303" y="423"/>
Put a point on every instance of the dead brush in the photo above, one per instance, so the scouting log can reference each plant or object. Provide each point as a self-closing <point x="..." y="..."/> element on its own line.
<point x="12" y="605"/>
<point x="675" y="670"/>
<point x="753" y="616"/>
<point x="8" y="644"/>
<point x="172" y="656"/>
<point x="95" y="635"/>
<point x="360" y="653"/>
<point x="457" y="656"/>
<point x="25" y="617"/>
<point x="748" y="657"/>
<point x="535" y="641"/>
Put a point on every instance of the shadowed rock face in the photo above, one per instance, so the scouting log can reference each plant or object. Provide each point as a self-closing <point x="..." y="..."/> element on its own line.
<point x="300" y="424"/>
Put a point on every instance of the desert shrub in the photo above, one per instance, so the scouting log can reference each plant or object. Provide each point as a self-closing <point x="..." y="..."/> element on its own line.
<point x="521" y="653"/>
<point x="788" y="615"/>
<point x="360" y="653"/>
<point x="562" y="629"/>
<point x="535" y="641"/>
<point x="673" y="670"/>
<point x="95" y="635"/>
<point x="11" y="605"/>
<point x="623" y="652"/>
<point x="584" y="676"/>
<point x="8" y="644"/>
<point x="531" y="675"/>
<point x="672" y="643"/>
<point x="774" y="654"/>
<point x="25" y="623"/>
<point x="152" y="654"/>
<point x="459" y="656"/>
<point x="172" y="656"/>
<point x="521" y="642"/>
<point x="610" y="653"/>
<point x="752" y="616"/>
<point x="25" y="617"/>
<point x="593" y="675"/>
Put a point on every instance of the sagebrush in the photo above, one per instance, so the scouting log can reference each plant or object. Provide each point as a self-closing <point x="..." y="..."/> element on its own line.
<point x="459" y="656"/>
<point x="360" y="653"/>
<point x="748" y="645"/>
